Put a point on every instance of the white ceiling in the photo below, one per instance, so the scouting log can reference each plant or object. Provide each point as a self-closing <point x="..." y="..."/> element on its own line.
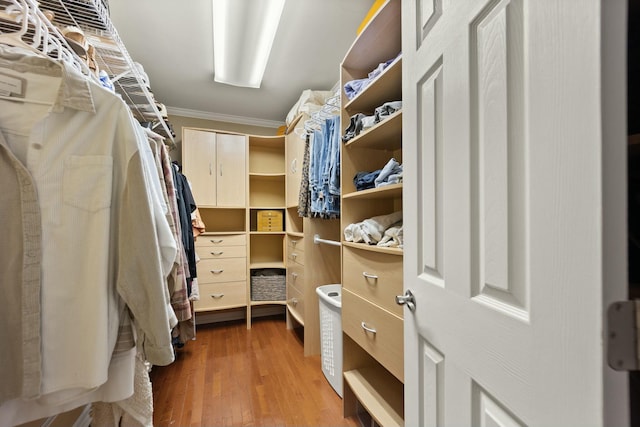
<point x="173" y="41"/>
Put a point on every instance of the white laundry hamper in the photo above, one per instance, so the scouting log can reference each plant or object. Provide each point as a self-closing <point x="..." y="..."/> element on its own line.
<point x="330" y="308"/>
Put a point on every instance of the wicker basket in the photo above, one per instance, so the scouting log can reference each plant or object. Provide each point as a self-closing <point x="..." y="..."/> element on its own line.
<point x="268" y="287"/>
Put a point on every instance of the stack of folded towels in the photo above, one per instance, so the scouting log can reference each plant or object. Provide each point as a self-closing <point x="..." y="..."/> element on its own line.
<point x="382" y="230"/>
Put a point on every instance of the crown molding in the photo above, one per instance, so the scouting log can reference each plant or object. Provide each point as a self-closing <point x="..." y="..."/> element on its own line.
<point x="205" y="115"/>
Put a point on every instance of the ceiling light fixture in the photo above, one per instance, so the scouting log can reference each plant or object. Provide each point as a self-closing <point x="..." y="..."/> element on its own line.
<point x="243" y="33"/>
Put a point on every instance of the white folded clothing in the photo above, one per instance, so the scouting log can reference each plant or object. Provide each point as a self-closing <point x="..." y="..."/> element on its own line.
<point x="393" y="237"/>
<point x="376" y="226"/>
<point x="371" y="230"/>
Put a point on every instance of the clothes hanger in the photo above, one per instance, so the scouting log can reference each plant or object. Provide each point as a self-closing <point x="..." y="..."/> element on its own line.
<point x="43" y="42"/>
<point x="23" y="15"/>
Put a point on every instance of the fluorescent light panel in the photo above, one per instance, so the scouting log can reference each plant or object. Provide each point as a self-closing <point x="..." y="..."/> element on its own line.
<point x="243" y="33"/>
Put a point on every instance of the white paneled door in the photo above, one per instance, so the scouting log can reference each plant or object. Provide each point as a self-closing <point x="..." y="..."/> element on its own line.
<point x="514" y="138"/>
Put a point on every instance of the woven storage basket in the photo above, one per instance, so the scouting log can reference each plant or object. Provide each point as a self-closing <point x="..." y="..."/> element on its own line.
<point x="268" y="288"/>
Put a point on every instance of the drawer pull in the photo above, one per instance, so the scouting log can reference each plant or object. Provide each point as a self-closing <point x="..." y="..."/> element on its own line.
<point x="368" y="328"/>
<point x="217" y="271"/>
<point x="216" y="240"/>
<point x="294" y="255"/>
<point x="217" y="296"/>
<point x="217" y="253"/>
<point x="294" y="242"/>
<point x="369" y="276"/>
<point x="294" y="276"/>
<point x="294" y="301"/>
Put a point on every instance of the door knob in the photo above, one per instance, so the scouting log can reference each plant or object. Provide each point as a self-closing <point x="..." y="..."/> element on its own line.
<point x="407" y="299"/>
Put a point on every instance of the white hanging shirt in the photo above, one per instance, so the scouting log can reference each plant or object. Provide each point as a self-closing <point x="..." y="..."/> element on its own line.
<point x="105" y="240"/>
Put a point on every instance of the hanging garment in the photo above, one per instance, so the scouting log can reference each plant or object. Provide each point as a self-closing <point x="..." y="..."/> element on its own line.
<point x="135" y="411"/>
<point x="325" y="170"/>
<point x="304" y="197"/>
<point x="105" y="243"/>
<point x="176" y="279"/>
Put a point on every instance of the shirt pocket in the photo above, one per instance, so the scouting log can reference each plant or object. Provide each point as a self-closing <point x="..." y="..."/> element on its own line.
<point x="87" y="182"/>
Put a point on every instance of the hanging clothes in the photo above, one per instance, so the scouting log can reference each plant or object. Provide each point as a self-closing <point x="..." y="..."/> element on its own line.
<point x="324" y="170"/>
<point x="304" y="199"/>
<point x="80" y="168"/>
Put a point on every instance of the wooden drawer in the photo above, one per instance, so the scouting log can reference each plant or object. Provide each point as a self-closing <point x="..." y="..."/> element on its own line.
<point x="269" y="220"/>
<point x="374" y="276"/>
<point x="222" y="270"/>
<point x="205" y="252"/>
<point x="295" y="244"/>
<point x="221" y="240"/>
<point x="386" y="344"/>
<point x="216" y="296"/>
<point x="295" y="276"/>
<point x="295" y="256"/>
<point x="295" y="302"/>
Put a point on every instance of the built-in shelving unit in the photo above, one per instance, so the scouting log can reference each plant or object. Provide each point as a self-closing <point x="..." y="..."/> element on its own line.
<point x="372" y="322"/>
<point x="267" y="192"/>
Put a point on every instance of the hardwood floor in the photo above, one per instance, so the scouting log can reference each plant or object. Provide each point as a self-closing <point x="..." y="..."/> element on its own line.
<point x="231" y="376"/>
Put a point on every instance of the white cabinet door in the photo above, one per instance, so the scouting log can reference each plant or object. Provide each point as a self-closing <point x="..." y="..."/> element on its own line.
<point x="295" y="156"/>
<point x="215" y="164"/>
<point x="510" y="155"/>
<point x="199" y="164"/>
<point x="231" y="154"/>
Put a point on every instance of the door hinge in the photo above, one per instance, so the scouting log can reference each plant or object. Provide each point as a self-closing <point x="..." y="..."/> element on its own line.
<point x="623" y="335"/>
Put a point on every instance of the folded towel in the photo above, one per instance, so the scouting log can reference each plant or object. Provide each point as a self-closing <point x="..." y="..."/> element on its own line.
<point x="375" y="227"/>
<point x="371" y="230"/>
<point x="393" y="237"/>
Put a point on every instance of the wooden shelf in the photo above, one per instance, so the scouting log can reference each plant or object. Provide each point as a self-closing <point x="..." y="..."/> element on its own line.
<point x="221" y="233"/>
<point x="274" y="176"/>
<point x="383" y="89"/>
<point x="298" y="318"/>
<point x="386" y="135"/>
<point x="379" y="41"/>
<point x="381" y="396"/>
<point x="254" y="303"/>
<point x="384" y="192"/>
<point x="257" y="141"/>
<point x="374" y="248"/>
<point x="258" y="265"/>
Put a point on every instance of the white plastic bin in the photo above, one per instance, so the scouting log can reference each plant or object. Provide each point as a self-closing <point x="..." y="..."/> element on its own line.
<point x="330" y="300"/>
